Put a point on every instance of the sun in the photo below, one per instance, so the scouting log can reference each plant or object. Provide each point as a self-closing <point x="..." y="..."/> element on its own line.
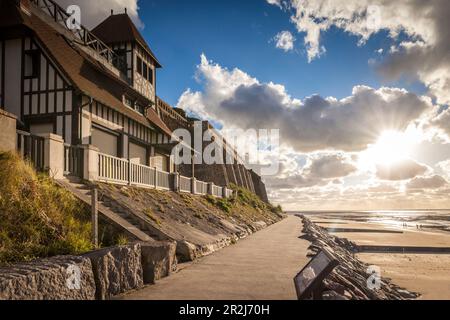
<point x="391" y="147"/>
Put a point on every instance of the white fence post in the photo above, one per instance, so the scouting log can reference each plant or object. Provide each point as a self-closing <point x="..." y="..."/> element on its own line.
<point x="176" y="182"/>
<point x="54" y="155"/>
<point x="194" y="185"/>
<point x="210" y="188"/>
<point x="129" y="172"/>
<point x="90" y="172"/>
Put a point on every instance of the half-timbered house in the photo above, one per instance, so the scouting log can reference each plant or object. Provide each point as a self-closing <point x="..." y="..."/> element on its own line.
<point x="90" y="87"/>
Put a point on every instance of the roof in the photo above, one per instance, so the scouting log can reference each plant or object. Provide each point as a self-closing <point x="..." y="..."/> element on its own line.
<point x="120" y="28"/>
<point x="85" y="73"/>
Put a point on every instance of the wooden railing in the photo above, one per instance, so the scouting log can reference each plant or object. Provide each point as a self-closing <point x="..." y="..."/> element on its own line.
<point x="31" y="148"/>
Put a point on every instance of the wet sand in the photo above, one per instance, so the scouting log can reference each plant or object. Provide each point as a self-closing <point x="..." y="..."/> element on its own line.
<point x="428" y="274"/>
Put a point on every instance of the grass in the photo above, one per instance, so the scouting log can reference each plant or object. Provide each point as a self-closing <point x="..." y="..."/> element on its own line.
<point x="151" y="215"/>
<point x="37" y="218"/>
<point x="223" y="204"/>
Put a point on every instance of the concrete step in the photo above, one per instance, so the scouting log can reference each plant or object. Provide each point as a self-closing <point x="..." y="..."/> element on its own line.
<point x="81" y="192"/>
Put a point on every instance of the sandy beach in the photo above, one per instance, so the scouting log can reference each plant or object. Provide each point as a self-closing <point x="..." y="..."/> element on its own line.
<point x="425" y="273"/>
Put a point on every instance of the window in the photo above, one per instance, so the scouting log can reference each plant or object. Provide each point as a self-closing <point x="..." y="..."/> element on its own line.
<point x="150" y="75"/>
<point x="145" y="74"/>
<point x="32" y="64"/>
<point x="139" y="108"/>
<point x="128" y="102"/>
<point x="139" y="65"/>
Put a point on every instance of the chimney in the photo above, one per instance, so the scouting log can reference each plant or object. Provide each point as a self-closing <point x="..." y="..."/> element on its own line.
<point x="112" y="12"/>
<point x="126" y="11"/>
<point x="25" y="6"/>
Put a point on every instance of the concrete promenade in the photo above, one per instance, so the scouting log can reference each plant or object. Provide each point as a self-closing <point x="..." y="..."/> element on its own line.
<point x="260" y="267"/>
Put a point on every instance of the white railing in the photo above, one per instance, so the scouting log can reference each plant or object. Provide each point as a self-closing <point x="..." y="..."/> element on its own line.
<point x="122" y="171"/>
<point x="163" y="179"/>
<point x="217" y="191"/>
<point x="112" y="169"/>
<point x="201" y="187"/>
<point x="142" y="175"/>
<point x="185" y="184"/>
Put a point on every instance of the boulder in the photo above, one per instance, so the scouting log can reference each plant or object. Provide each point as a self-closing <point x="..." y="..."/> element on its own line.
<point x="158" y="260"/>
<point x="57" y="278"/>
<point x="186" y="251"/>
<point x="117" y="270"/>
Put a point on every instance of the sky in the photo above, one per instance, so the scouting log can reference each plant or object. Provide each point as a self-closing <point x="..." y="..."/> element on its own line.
<point x="359" y="90"/>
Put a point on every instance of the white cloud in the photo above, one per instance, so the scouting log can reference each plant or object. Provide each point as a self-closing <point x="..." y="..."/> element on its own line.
<point x="425" y="54"/>
<point x="401" y="170"/>
<point x="320" y="170"/>
<point x="94" y="12"/>
<point x="236" y="99"/>
<point x="285" y="41"/>
<point x="275" y="2"/>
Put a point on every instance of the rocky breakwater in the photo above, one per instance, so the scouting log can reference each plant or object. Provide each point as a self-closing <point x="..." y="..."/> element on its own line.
<point x="350" y="280"/>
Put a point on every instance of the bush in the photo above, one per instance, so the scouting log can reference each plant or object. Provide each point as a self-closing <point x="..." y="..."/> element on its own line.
<point x="37" y="218"/>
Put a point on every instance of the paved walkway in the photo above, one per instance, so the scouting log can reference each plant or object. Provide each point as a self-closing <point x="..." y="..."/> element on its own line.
<point x="260" y="267"/>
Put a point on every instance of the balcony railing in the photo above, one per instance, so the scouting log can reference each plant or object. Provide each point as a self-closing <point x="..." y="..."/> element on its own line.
<point x="82" y="35"/>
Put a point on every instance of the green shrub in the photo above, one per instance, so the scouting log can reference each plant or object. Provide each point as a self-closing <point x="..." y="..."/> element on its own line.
<point x="37" y="218"/>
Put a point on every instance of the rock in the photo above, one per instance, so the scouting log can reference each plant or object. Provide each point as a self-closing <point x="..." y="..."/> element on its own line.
<point x="334" y="286"/>
<point x="117" y="270"/>
<point x="58" y="278"/>
<point x="158" y="260"/>
<point x="332" y="295"/>
<point x="186" y="251"/>
<point x="350" y="277"/>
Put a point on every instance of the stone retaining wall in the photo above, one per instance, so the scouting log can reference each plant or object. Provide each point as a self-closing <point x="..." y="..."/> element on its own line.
<point x="99" y="275"/>
<point x="58" y="278"/>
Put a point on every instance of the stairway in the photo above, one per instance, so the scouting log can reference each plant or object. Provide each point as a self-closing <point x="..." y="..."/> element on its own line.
<point x="112" y="213"/>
